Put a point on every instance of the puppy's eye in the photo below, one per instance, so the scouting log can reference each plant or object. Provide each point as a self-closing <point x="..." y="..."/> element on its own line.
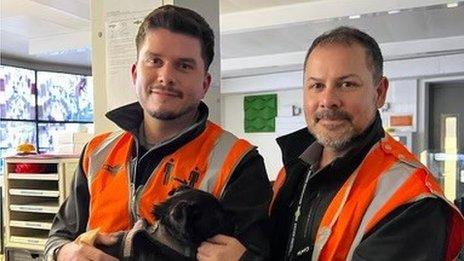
<point x="177" y="215"/>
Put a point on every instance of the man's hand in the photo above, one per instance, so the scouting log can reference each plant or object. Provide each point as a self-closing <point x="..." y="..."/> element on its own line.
<point x="75" y="252"/>
<point x="220" y="248"/>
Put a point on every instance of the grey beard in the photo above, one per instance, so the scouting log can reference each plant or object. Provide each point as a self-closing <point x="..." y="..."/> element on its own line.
<point x="335" y="144"/>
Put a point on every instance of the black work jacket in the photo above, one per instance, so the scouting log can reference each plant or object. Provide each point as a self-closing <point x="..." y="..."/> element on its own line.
<point x="414" y="231"/>
<point x="247" y="194"/>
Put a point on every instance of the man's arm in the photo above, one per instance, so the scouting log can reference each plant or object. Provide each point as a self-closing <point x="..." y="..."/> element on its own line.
<point x="247" y="195"/>
<point x="415" y="231"/>
<point x="71" y="219"/>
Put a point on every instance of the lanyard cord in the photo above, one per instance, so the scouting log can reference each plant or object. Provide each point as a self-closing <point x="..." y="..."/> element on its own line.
<point x="297" y="214"/>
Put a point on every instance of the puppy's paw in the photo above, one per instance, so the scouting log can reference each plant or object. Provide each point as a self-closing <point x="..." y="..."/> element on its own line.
<point x="88" y="237"/>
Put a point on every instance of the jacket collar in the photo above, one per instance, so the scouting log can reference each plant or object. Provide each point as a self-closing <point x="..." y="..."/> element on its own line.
<point x="293" y="144"/>
<point x="130" y="118"/>
<point x="357" y="149"/>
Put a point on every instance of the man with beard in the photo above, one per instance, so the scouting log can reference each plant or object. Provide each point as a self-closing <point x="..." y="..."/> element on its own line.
<point x="166" y="141"/>
<point x="348" y="190"/>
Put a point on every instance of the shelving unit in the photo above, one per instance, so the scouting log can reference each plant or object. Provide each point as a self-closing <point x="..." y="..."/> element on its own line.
<point x="35" y="186"/>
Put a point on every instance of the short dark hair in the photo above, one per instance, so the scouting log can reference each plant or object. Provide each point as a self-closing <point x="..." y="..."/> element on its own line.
<point x="348" y="36"/>
<point x="179" y="20"/>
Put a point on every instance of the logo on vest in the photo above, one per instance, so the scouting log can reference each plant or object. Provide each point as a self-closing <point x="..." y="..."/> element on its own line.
<point x="191" y="181"/>
<point x="112" y="169"/>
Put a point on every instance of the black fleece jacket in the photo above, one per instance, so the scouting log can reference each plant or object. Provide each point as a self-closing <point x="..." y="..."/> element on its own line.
<point x="247" y="194"/>
<point x="414" y="231"/>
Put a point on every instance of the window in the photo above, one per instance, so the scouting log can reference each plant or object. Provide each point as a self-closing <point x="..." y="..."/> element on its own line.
<point x="36" y="104"/>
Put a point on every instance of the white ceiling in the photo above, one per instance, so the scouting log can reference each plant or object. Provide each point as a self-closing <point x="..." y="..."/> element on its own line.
<point x="28" y="23"/>
<point x="233" y="6"/>
<point x="404" y="26"/>
<point x="257" y="36"/>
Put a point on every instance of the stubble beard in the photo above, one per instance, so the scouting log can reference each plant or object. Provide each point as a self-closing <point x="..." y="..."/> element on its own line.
<point x="339" y="140"/>
<point x="165" y="115"/>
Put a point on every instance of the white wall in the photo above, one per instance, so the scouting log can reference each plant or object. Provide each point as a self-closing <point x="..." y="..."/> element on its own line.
<point x="113" y="52"/>
<point x="405" y="76"/>
<point x="233" y="121"/>
<point x="402" y="100"/>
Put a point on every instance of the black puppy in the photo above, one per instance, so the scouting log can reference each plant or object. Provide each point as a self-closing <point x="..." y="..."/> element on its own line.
<point x="187" y="218"/>
<point x="192" y="216"/>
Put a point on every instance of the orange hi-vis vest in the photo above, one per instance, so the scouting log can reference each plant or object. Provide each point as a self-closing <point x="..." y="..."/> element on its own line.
<point x="388" y="177"/>
<point x="206" y="163"/>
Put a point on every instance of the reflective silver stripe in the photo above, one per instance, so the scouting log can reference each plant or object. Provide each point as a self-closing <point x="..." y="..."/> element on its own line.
<point x="217" y="156"/>
<point x="97" y="158"/>
<point x="388" y="184"/>
<point x="325" y="232"/>
<point x="322" y="238"/>
<point x="412" y="163"/>
<point x="100" y="154"/>
<point x="233" y="168"/>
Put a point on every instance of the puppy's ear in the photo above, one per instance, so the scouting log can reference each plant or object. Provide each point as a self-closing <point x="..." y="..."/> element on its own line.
<point x="180" y="222"/>
<point x="160" y="211"/>
<point x="194" y="226"/>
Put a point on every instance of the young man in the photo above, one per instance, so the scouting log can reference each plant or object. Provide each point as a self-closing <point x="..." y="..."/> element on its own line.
<point x="166" y="141"/>
<point x="348" y="190"/>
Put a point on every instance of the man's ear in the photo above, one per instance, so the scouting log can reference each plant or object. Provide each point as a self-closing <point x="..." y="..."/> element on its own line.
<point x="382" y="88"/>
<point x="134" y="73"/>
<point x="206" y="83"/>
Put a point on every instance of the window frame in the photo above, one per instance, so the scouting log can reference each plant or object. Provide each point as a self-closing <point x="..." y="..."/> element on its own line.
<point x="53" y="68"/>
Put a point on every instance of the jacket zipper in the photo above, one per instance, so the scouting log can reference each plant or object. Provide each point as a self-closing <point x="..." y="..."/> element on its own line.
<point x="136" y="200"/>
<point x="132" y="179"/>
<point x="132" y="205"/>
<point x="137" y="193"/>
<point x="291" y="243"/>
<point x="312" y="213"/>
<point x="309" y="223"/>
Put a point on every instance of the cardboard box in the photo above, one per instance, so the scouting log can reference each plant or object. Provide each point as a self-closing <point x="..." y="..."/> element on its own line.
<point x="74" y="149"/>
<point x="72" y="138"/>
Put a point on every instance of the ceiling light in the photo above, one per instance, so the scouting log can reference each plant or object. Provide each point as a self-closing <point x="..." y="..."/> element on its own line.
<point x="354" y="16"/>
<point x="393" y="11"/>
<point x="452" y="5"/>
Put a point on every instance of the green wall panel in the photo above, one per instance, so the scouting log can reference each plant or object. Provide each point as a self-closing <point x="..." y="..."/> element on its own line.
<point x="260" y="113"/>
